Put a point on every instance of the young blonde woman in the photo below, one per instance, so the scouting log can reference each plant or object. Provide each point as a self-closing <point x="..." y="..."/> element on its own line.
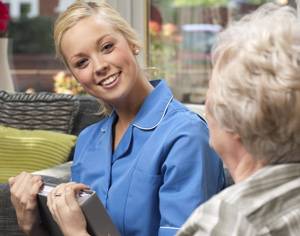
<point x="149" y="160"/>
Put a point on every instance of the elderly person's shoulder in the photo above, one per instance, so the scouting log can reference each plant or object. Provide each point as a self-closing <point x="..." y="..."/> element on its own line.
<point x="255" y="206"/>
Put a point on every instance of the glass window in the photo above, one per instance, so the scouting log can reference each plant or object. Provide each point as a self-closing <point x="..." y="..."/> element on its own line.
<point x="181" y="35"/>
<point x="31" y="51"/>
<point x="32" y="61"/>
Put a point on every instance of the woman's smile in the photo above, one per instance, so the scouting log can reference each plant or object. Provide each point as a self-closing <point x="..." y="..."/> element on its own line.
<point x="110" y="81"/>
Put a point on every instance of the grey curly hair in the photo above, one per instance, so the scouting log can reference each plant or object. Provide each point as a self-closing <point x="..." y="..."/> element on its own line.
<point x="257" y="83"/>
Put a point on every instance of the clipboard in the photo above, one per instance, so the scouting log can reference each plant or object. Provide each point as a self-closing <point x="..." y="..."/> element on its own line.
<point x="98" y="221"/>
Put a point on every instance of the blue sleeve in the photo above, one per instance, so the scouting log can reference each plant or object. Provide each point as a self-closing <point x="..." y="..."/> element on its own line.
<point x="192" y="174"/>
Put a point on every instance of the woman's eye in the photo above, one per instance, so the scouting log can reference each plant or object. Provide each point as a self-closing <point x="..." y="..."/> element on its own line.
<point x="108" y="47"/>
<point x="81" y="63"/>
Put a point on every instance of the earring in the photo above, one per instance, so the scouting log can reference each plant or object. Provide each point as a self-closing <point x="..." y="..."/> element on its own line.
<point x="136" y="51"/>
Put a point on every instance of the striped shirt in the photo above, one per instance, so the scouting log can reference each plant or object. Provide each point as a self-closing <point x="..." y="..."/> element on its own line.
<point x="267" y="203"/>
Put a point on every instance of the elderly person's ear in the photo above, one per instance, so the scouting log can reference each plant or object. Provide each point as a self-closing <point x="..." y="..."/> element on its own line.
<point x="236" y="137"/>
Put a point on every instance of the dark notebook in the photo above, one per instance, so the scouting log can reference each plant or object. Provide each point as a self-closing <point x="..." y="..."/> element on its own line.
<point x="98" y="221"/>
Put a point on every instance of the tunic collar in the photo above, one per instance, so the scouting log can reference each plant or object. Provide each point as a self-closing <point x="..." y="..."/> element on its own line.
<point x="154" y="107"/>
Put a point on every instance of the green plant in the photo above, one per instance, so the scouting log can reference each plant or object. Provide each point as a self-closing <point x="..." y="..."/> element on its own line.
<point x="164" y="41"/>
<point x="32" y="35"/>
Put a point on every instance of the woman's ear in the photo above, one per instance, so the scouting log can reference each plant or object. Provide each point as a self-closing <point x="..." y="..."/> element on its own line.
<point x="136" y="51"/>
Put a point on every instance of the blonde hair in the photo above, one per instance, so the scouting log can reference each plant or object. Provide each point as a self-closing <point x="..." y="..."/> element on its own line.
<point x="256" y="79"/>
<point x="82" y="9"/>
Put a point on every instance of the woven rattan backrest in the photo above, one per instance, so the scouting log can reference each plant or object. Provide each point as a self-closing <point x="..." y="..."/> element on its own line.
<point x="46" y="111"/>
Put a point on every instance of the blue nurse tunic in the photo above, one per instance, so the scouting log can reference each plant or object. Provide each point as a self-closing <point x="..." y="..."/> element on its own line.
<point x="162" y="169"/>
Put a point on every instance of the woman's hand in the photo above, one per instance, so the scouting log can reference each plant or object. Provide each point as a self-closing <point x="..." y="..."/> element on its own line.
<point x="24" y="189"/>
<point x="65" y="209"/>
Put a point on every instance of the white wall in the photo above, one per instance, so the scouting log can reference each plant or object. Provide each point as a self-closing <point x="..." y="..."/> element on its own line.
<point x="135" y="12"/>
<point x="63" y="4"/>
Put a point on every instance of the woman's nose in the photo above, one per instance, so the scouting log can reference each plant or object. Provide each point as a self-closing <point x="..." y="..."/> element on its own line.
<point x="101" y="68"/>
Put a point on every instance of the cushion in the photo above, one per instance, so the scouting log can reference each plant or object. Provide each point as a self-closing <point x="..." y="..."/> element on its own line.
<point x="31" y="150"/>
<point x="44" y="110"/>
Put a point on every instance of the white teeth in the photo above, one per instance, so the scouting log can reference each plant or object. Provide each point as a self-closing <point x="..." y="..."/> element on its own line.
<point x="110" y="79"/>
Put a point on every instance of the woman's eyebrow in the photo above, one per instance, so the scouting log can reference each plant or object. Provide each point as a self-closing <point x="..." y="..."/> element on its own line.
<point x="98" y="42"/>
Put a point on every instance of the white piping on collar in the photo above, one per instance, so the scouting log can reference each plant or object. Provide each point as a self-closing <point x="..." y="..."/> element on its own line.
<point x="160" y="118"/>
<point x="168" y="227"/>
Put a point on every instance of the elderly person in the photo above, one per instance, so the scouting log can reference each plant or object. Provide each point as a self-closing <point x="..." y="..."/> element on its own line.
<point x="252" y="108"/>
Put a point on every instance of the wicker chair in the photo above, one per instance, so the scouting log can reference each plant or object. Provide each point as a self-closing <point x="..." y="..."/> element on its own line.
<point x="47" y="111"/>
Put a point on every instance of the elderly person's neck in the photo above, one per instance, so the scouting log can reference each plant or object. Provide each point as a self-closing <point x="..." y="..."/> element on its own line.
<point x="243" y="165"/>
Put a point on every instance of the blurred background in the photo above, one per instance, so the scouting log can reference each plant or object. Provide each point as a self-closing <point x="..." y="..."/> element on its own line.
<point x="177" y="35"/>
